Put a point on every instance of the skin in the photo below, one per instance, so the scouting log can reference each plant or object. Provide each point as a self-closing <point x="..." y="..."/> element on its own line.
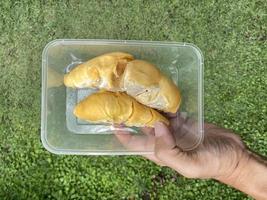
<point x="221" y="156"/>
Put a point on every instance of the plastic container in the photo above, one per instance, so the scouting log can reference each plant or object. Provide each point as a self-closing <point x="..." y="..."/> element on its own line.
<point x="62" y="133"/>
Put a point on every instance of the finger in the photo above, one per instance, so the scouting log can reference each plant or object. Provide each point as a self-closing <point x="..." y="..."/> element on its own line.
<point x="176" y="123"/>
<point x="136" y="143"/>
<point x="164" y="136"/>
<point x="185" y="131"/>
<point x="189" y="126"/>
<point x="167" y="151"/>
<point x="132" y="142"/>
<point x="123" y="137"/>
<point x="182" y="121"/>
<point x="179" y="121"/>
<point x="148" y="131"/>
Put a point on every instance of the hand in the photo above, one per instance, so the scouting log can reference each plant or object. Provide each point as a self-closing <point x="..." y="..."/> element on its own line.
<point x="221" y="156"/>
<point x="218" y="155"/>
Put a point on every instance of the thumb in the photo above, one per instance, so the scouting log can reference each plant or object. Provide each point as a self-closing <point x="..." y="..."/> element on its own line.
<point x="167" y="151"/>
<point x="164" y="138"/>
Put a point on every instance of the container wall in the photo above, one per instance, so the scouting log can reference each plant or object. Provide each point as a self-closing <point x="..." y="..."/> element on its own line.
<point x="182" y="63"/>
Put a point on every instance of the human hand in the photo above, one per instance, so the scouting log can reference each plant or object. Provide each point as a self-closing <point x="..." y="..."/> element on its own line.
<point x="221" y="156"/>
<point x="216" y="157"/>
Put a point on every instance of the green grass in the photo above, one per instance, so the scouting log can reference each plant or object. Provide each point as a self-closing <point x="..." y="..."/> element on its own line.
<point x="233" y="38"/>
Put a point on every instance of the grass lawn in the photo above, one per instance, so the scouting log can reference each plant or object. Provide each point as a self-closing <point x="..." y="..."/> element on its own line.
<point x="233" y="38"/>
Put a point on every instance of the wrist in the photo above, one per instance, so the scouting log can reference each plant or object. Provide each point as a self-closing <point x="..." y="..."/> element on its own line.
<point x="250" y="176"/>
<point x="240" y="173"/>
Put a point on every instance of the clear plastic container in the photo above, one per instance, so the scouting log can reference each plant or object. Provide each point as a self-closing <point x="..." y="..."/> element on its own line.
<point x="62" y="133"/>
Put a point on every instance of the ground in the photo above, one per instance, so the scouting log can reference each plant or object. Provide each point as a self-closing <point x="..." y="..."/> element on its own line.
<point x="233" y="38"/>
